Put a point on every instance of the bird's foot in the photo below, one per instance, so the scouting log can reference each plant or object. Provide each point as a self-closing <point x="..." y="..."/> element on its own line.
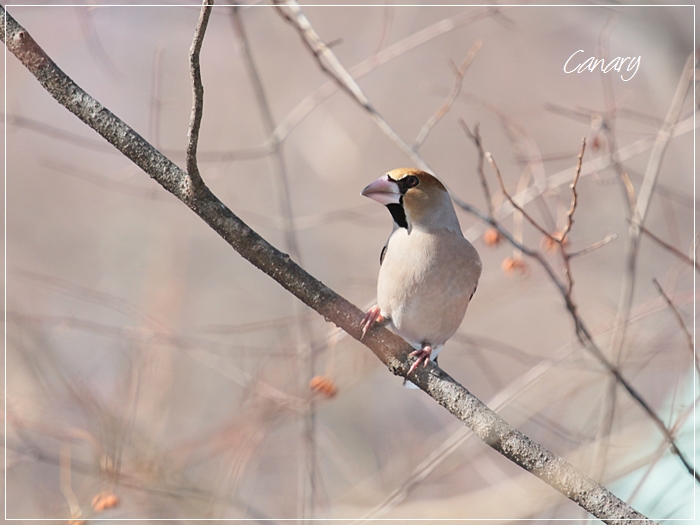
<point x="372" y="316"/>
<point x="423" y="357"/>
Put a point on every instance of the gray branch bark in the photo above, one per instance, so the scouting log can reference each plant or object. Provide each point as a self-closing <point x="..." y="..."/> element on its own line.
<point x="389" y="348"/>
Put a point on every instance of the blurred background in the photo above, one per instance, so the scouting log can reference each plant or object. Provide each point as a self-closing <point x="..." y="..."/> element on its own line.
<point x="151" y="372"/>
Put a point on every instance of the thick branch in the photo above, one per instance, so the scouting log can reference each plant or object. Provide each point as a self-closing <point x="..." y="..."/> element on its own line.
<point x="391" y="349"/>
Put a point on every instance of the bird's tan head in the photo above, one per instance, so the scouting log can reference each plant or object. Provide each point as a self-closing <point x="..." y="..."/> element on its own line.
<point x="414" y="198"/>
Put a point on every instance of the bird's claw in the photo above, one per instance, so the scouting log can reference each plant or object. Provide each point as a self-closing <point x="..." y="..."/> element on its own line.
<point x="423" y="356"/>
<point x="372" y="316"/>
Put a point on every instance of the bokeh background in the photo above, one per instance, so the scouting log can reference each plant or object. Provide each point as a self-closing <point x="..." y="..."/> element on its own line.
<point x="148" y="364"/>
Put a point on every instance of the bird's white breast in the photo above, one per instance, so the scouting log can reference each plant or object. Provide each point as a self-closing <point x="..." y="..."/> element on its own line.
<point x="425" y="283"/>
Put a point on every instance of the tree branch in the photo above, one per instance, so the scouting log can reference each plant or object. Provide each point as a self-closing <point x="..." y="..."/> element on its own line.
<point x="566" y="290"/>
<point x="681" y="323"/>
<point x="390" y="349"/>
<point x="451" y="97"/>
<point x="197" y="92"/>
<point x="675" y="251"/>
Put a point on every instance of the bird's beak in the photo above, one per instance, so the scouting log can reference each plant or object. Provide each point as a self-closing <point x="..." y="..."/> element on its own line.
<point x="384" y="191"/>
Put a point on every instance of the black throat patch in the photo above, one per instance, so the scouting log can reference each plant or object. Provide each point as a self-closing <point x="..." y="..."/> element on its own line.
<point x="398" y="214"/>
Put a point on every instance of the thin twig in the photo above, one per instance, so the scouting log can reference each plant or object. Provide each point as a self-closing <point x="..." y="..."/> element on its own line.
<point x="594" y="246"/>
<point x="475" y="137"/>
<point x="675" y="251"/>
<point x="677" y="314"/>
<point x="574" y="195"/>
<point x="197" y="93"/>
<point x="515" y="204"/>
<point x="451" y="97"/>
<point x="391" y="349"/>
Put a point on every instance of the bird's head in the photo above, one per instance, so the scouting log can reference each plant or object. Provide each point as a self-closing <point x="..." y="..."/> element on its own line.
<point x="415" y="199"/>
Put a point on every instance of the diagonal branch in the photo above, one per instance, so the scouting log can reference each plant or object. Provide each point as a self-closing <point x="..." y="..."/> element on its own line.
<point x="675" y="251"/>
<point x="681" y="323"/>
<point x="390" y="349"/>
<point x="451" y="97"/>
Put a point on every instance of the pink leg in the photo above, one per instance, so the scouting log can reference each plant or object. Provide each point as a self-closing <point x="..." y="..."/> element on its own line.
<point x="423" y="357"/>
<point x="372" y="316"/>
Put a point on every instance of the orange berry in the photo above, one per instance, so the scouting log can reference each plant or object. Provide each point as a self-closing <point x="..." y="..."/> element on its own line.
<point x="492" y="237"/>
<point x="104" y="500"/>
<point x="512" y="264"/>
<point x="323" y="385"/>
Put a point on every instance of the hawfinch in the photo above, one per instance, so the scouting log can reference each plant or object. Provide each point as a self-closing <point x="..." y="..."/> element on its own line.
<point x="428" y="270"/>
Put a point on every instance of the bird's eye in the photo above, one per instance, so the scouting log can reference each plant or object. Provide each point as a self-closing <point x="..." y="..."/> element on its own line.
<point x="411" y="181"/>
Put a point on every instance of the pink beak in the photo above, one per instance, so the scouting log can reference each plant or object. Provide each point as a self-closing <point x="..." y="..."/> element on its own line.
<point x="384" y="191"/>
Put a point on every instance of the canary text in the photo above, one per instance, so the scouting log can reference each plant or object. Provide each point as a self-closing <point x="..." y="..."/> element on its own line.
<point x="616" y="64"/>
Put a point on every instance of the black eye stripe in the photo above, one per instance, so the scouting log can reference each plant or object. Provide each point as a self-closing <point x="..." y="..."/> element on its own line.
<point x="411" y="181"/>
<point x="405" y="183"/>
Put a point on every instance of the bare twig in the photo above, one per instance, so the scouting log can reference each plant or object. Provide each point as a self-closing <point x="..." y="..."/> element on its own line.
<point x="594" y="246"/>
<point x="475" y="137"/>
<point x="391" y="349"/>
<point x="197" y="93"/>
<point x="676" y="313"/>
<point x="512" y="201"/>
<point x="574" y="195"/>
<point x="675" y="251"/>
<point x="451" y="97"/>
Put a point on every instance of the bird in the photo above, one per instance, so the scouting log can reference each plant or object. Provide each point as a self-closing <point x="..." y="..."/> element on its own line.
<point x="428" y="271"/>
